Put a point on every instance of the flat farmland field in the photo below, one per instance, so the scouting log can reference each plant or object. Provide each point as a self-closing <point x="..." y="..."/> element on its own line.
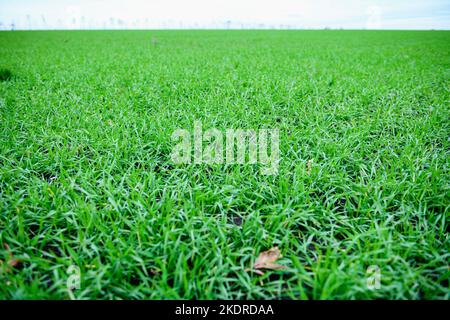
<point x="358" y="207"/>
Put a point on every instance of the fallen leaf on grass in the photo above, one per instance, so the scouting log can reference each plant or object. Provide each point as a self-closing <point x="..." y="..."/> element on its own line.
<point x="11" y="261"/>
<point x="266" y="260"/>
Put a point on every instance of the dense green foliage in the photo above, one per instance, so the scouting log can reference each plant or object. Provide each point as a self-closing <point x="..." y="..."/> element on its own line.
<point x="86" y="176"/>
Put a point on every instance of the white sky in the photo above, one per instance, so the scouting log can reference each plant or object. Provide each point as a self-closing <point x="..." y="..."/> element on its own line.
<point x="111" y="14"/>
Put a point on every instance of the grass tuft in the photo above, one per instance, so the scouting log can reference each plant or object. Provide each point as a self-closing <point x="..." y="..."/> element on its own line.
<point x="5" y="74"/>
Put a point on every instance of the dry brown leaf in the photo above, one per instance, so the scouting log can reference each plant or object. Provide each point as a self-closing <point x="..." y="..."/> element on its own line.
<point x="12" y="262"/>
<point x="266" y="260"/>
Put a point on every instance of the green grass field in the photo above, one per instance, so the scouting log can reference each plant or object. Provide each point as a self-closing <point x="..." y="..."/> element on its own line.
<point x="86" y="177"/>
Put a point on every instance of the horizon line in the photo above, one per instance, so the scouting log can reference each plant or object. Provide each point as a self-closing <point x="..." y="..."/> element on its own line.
<point x="227" y="29"/>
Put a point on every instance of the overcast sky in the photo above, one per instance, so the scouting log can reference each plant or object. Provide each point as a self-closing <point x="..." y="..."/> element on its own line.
<point x="111" y="14"/>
